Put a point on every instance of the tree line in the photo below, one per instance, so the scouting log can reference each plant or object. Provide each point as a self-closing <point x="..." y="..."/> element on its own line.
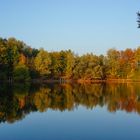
<point x="20" y="62"/>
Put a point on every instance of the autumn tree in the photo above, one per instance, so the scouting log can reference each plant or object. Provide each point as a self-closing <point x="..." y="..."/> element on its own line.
<point x="89" y="67"/>
<point x="127" y="63"/>
<point x="113" y="57"/>
<point x="70" y="64"/>
<point x="43" y="62"/>
<point x="59" y="64"/>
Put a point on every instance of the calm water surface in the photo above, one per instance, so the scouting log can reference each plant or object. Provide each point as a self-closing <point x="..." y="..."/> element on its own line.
<point x="70" y="112"/>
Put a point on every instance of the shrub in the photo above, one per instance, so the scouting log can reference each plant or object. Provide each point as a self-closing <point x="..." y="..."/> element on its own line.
<point x="21" y="73"/>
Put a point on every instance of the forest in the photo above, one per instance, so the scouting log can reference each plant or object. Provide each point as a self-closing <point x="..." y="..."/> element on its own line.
<point x="20" y="62"/>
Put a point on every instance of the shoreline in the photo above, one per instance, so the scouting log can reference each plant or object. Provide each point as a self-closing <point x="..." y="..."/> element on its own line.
<point x="87" y="81"/>
<point x="80" y="81"/>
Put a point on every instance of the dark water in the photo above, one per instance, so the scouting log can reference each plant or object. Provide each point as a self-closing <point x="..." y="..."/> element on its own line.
<point x="70" y="112"/>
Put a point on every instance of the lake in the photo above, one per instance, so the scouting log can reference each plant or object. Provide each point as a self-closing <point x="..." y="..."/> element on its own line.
<point x="70" y="111"/>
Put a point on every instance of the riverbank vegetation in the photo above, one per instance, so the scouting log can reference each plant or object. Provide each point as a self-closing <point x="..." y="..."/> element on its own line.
<point x="20" y="62"/>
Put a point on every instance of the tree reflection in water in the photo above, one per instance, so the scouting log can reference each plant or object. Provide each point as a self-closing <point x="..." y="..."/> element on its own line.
<point x="16" y="101"/>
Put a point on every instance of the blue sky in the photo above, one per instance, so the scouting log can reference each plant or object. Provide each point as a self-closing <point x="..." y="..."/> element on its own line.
<point x="80" y="25"/>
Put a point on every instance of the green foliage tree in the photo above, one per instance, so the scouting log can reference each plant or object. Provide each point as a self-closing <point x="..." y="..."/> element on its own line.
<point x="90" y="67"/>
<point x="70" y="63"/>
<point x="113" y="57"/>
<point x="21" y="73"/>
<point x="59" y="64"/>
<point x="42" y="63"/>
<point x="12" y="55"/>
<point x="3" y="59"/>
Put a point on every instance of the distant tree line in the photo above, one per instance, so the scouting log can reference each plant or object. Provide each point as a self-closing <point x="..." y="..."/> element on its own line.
<point x="20" y="62"/>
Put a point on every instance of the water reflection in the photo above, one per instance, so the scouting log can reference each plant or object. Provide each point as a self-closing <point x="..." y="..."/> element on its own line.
<point x="19" y="100"/>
